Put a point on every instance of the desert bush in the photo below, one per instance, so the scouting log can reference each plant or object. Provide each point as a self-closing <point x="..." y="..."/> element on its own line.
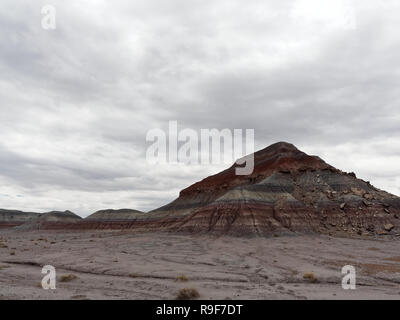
<point x="187" y="294"/>
<point x="311" y="277"/>
<point x="181" y="278"/>
<point x="67" y="277"/>
<point x="133" y="275"/>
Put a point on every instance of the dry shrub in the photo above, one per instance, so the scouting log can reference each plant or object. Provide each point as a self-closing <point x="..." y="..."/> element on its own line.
<point x="181" y="278"/>
<point x="187" y="294"/>
<point x="67" y="277"/>
<point x="133" y="275"/>
<point x="311" y="277"/>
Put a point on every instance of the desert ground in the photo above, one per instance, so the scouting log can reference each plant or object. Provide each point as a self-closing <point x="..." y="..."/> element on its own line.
<point x="128" y="265"/>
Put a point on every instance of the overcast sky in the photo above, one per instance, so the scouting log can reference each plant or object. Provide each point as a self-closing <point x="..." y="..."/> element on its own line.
<point x="76" y="102"/>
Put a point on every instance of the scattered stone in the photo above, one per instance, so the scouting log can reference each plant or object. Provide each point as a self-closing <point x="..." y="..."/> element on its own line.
<point x="342" y="205"/>
<point x="388" y="227"/>
<point x="357" y="191"/>
<point x="366" y="203"/>
<point x="371" y="228"/>
<point x="368" y="196"/>
<point x="381" y="232"/>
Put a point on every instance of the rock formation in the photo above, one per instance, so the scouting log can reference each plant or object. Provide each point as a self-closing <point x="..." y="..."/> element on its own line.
<point x="111" y="219"/>
<point x="50" y="220"/>
<point x="12" y="218"/>
<point x="289" y="191"/>
<point x="114" y="215"/>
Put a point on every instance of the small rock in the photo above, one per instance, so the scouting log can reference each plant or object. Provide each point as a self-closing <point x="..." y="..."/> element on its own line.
<point x="381" y="232"/>
<point x="368" y="196"/>
<point x="366" y="203"/>
<point x="356" y="191"/>
<point x="386" y="210"/>
<point x="342" y="205"/>
<point x="388" y="227"/>
<point x="371" y="228"/>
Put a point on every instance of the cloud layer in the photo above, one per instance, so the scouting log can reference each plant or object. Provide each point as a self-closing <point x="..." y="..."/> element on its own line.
<point x="77" y="102"/>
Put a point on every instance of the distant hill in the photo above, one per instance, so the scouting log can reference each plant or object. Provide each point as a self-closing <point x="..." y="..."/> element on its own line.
<point x="48" y="219"/>
<point x="114" y="215"/>
<point x="11" y="218"/>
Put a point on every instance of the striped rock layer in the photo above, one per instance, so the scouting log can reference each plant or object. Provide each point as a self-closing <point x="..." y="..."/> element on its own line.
<point x="12" y="218"/>
<point x="289" y="191"/>
<point x="50" y="220"/>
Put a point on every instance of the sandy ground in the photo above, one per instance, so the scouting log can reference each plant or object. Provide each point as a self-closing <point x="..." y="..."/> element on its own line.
<point x="125" y="265"/>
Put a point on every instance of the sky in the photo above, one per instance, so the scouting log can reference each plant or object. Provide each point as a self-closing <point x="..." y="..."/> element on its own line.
<point x="76" y="102"/>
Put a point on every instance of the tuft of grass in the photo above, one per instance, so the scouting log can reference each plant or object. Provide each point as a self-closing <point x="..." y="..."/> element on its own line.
<point x="133" y="275"/>
<point x="182" y="278"/>
<point x="187" y="294"/>
<point x="311" y="277"/>
<point x="12" y="253"/>
<point x="68" y="277"/>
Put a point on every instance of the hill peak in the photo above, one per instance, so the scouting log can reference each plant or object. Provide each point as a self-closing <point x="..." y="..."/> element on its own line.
<point x="278" y="157"/>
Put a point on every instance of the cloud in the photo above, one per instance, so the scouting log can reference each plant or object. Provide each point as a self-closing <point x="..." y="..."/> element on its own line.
<point x="77" y="102"/>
